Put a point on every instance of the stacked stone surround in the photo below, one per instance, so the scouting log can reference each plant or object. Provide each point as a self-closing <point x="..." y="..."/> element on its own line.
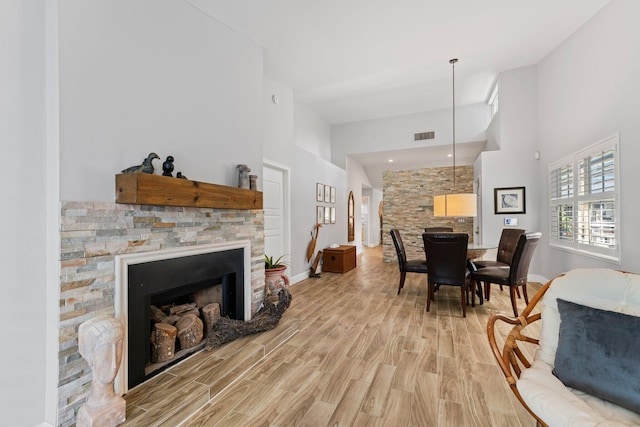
<point x="92" y="234"/>
<point x="408" y="206"/>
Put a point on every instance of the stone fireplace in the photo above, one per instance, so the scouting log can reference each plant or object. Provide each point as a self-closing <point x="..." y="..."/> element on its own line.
<point x="147" y="278"/>
<point x="95" y="237"/>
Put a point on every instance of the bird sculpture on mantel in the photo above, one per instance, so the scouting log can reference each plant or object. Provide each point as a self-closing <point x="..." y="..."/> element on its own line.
<point x="145" y="167"/>
<point x="167" y="166"/>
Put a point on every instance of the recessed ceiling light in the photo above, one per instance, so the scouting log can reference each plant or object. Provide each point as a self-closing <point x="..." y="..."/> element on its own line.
<point x="449" y="155"/>
<point x="390" y="160"/>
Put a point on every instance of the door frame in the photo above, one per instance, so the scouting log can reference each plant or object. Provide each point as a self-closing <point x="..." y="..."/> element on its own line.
<point x="286" y="202"/>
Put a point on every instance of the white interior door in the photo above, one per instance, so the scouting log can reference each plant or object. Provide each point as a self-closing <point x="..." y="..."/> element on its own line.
<point x="273" y="193"/>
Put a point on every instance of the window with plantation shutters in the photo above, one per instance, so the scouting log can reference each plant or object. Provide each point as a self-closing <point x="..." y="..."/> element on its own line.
<point x="584" y="200"/>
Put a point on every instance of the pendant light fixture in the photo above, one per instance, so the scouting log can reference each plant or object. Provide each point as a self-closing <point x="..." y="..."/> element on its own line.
<point x="455" y="204"/>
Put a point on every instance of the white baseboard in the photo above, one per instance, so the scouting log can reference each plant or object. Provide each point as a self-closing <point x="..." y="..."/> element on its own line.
<point x="299" y="277"/>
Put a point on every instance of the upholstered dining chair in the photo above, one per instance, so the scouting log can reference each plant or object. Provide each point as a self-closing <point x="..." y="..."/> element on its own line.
<point x="516" y="274"/>
<point x="447" y="264"/>
<point x="506" y="248"/>
<point x="438" y="230"/>
<point x="405" y="265"/>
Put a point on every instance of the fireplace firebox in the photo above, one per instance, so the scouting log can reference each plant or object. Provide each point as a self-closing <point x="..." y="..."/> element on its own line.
<point x="172" y="279"/>
<point x="162" y="277"/>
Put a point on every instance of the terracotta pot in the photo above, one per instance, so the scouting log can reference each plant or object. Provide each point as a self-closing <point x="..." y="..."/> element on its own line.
<point x="275" y="279"/>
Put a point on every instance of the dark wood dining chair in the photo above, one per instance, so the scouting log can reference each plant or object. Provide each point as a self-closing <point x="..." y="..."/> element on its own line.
<point x="438" y="230"/>
<point x="516" y="274"/>
<point x="506" y="248"/>
<point x="447" y="264"/>
<point x="405" y="265"/>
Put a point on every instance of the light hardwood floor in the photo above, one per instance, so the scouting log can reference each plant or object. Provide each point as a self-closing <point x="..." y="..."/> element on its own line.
<point x="348" y="352"/>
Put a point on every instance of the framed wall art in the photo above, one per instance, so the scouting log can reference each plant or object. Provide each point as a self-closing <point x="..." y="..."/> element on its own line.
<point x="319" y="215"/>
<point x="509" y="200"/>
<point x="319" y="192"/>
<point x="333" y="194"/>
<point x="327" y="194"/>
<point x="327" y="215"/>
<point x="333" y="215"/>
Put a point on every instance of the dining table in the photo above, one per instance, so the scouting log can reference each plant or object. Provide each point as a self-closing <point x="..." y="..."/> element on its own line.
<point x="476" y="250"/>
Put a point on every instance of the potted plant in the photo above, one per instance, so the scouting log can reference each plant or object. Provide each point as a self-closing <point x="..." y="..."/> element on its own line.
<point x="274" y="275"/>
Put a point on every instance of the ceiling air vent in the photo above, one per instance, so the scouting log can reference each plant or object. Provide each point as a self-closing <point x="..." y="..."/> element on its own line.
<point x="424" y="135"/>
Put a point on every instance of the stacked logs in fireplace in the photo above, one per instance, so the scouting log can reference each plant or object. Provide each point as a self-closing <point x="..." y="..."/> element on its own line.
<point x="180" y="327"/>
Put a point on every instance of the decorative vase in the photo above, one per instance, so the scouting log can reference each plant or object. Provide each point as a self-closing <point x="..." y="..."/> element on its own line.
<point x="243" y="176"/>
<point x="275" y="279"/>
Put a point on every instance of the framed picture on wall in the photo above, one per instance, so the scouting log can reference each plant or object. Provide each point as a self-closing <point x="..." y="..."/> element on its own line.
<point x="319" y="215"/>
<point x="333" y="215"/>
<point x="333" y="194"/>
<point x="327" y="194"/>
<point x="319" y="192"/>
<point x="509" y="200"/>
<point x="327" y="215"/>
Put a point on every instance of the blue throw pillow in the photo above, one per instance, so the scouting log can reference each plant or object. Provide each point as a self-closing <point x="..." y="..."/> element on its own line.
<point x="599" y="353"/>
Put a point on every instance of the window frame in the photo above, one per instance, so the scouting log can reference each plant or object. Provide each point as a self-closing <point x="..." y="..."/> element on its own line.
<point x="570" y="196"/>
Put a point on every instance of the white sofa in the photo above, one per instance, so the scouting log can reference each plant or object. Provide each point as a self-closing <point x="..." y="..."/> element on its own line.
<point x="537" y="388"/>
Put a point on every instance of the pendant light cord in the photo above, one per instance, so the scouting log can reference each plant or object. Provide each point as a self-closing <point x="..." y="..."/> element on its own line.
<point x="453" y="79"/>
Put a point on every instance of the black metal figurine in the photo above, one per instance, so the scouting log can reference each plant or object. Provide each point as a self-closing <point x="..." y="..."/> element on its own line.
<point x="167" y="166"/>
<point x="179" y="175"/>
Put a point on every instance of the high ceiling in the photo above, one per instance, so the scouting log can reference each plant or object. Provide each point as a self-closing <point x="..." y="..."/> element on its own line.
<point x="355" y="60"/>
<point x="361" y="59"/>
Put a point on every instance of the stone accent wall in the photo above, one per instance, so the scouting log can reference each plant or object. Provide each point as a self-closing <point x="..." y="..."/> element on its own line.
<point x="408" y="206"/>
<point x="93" y="233"/>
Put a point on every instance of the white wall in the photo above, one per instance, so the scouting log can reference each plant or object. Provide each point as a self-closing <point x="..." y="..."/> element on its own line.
<point x="396" y="133"/>
<point x="291" y="130"/>
<point x="305" y="173"/>
<point x="588" y="88"/>
<point x="154" y="76"/>
<point x="23" y="360"/>
<point x="514" y="129"/>
<point x="356" y="179"/>
<point x="312" y="132"/>
<point x="376" y="199"/>
<point x="373" y="227"/>
<point x="278" y="135"/>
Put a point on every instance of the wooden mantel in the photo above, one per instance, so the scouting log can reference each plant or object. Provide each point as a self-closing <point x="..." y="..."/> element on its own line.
<point x="158" y="190"/>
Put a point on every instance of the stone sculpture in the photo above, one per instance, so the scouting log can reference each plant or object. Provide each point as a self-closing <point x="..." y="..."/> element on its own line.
<point x="145" y="167"/>
<point x="100" y="342"/>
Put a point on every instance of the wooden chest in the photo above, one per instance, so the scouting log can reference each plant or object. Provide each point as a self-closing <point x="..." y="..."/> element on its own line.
<point x="339" y="260"/>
